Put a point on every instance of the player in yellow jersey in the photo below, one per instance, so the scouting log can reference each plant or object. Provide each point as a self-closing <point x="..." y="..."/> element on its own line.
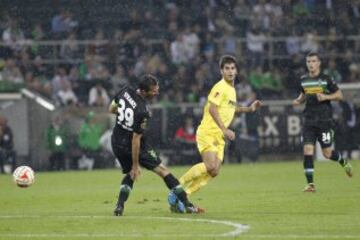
<point x="219" y="112"/>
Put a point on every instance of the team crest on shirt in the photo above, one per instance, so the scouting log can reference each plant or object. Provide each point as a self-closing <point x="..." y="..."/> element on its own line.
<point x="143" y="125"/>
<point x="152" y="153"/>
<point x="216" y="94"/>
<point x="232" y="103"/>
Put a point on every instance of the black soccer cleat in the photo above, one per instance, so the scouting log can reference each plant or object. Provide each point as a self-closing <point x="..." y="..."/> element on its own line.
<point x="119" y="210"/>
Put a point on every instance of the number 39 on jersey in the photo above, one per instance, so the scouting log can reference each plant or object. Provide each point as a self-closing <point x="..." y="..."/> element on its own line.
<point x="125" y="115"/>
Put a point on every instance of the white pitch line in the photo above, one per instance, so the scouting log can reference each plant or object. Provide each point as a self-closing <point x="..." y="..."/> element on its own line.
<point x="297" y="236"/>
<point x="238" y="228"/>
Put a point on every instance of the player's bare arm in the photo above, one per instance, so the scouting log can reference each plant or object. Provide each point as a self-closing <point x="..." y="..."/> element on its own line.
<point x="213" y="110"/>
<point x="113" y="107"/>
<point x="336" y="96"/>
<point x="252" y="108"/>
<point x="135" y="171"/>
<point x="299" y="100"/>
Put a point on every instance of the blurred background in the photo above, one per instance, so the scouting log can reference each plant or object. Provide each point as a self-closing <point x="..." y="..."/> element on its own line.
<point x="62" y="61"/>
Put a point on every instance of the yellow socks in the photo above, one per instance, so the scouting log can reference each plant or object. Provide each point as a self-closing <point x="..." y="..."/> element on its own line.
<point x="198" y="183"/>
<point x="195" y="178"/>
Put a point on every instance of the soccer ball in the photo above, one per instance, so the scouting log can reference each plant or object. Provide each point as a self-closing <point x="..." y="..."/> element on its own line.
<point x="24" y="176"/>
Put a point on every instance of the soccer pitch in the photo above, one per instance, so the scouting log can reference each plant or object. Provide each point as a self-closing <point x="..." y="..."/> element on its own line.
<point x="248" y="201"/>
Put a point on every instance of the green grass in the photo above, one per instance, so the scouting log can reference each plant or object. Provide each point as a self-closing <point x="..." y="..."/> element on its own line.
<point x="267" y="197"/>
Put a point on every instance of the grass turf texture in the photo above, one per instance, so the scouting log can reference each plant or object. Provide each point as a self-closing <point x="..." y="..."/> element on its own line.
<point x="266" y="196"/>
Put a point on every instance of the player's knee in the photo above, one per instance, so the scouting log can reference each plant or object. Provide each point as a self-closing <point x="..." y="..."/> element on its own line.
<point x="327" y="154"/>
<point x="161" y="170"/>
<point x="213" y="170"/>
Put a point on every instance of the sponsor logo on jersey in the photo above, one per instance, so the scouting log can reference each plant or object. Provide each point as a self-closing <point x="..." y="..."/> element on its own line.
<point x="313" y="90"/>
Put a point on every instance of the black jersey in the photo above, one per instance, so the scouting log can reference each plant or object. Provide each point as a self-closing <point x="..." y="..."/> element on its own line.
<point x="132" y="116"/>
<point x="316" y="111"/>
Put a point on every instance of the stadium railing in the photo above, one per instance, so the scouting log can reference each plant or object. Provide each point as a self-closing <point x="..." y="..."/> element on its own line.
<point x="272" y="54"/>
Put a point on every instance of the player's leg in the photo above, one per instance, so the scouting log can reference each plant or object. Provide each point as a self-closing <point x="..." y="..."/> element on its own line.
<point x="309" y="167"/>
<point x="309" y="140"/>
<point x="125" y="189"/>
<point x="212" y="164"/>
<point x="212" y="152"/>
<point x="326" y="139"/>
<point x="125" y="160"/>
<point x="151" y="161"/>
<point x="175" y="187"/>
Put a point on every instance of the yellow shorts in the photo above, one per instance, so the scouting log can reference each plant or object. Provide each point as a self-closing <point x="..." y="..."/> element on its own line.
<point x="207" y="142"/>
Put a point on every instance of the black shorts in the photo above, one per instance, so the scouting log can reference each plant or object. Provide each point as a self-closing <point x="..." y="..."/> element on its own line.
<point x="323" y="134"/>
<point x="148" y="158"/>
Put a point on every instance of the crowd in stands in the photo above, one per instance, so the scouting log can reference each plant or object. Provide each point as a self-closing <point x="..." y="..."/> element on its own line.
<point x="178" y="41"/>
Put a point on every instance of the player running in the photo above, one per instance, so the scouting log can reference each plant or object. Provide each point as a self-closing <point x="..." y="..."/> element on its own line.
<point x="219" y="112"/>
<point x="317" y="90"/>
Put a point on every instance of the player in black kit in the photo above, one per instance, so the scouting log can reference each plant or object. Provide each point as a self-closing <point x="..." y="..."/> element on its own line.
<point x="317" y="90"/>
<point x="129" y="142"/>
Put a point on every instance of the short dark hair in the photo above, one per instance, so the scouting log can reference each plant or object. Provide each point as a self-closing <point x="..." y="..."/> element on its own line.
<point x="313" y="54"/>
<point x="226" y="59"/>
<point x="146" y="81"/>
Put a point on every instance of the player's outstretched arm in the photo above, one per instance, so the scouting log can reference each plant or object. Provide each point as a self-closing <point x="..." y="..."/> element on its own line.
<point x="252" y="108"/>
<point x="336" y="96"/>
<point x="299" y="100"/>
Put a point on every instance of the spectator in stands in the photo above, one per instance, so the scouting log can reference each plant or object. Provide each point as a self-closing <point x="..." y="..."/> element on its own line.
<point x="11" y="73"/>
<point x="255" y="42"/>
<point x="38" y="34"/>
<point x="98" y="96"/>
<point x="228" y="43"/>
<point x="293" y="43"/>
<point x="260" y="17"/>
<point x="89" y="140"/>
<point x="332" y="71"/>
<point x="39" y="69"/>
<point x="244" y="91"/>
<point x="222" y="24"/>
<point x="185" y="135"/>
<point x="100" y="47"/>
<point x="354" y="72"/>
<point x="60" y="79"/>
<point x="13" y="35"/>
<point x="62" y="23"/>
<point x="242" y="13"/>
<point x="178" y="51"/>
<point x="24" y="64"/>
<point x="7" y="151"/>
<point x="185" y="143"/>
<point x="310" y="42"/>
<point x="70" y="49"/>
<point x="96" y="70"/>
<point x="66" y="95"/>
<point x="118" y="79"/>
<point x="57" y="144"/>
<point x="191" y="42"/>
<point x="33" y="83"/>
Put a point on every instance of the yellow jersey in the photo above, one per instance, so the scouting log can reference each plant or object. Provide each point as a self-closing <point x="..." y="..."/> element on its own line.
<point x="223" y="95"/>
